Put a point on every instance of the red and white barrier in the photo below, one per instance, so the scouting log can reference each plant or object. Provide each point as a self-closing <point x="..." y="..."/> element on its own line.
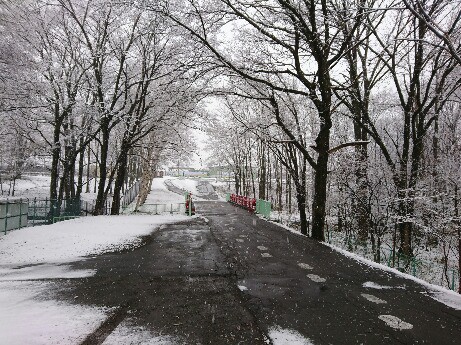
<point x="243" y="201"/>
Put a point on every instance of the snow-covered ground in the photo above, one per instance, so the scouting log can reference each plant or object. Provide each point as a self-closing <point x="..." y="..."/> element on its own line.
<point x="161" y="195"/>
<point x="38" y="186"/>
<point x="28" y="315"/>
<point x="31" y="257"/>
<point x="186" y="184"/>
<point x="73" y="239"/>
<point x="33" y="186"/>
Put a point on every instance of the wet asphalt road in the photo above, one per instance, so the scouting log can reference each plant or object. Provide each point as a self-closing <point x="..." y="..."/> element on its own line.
<point x="232" y="278"/>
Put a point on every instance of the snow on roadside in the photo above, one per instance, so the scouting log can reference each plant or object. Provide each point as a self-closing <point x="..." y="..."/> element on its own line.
<point x="44" y="271"/>
<point x="125" y="333"/>
<point x="440" y="294"/>
<point x="27" y="317"/>
<point x="281" y="336"/>
<point x="449" y="298"/>
<point x="72" y="239"/>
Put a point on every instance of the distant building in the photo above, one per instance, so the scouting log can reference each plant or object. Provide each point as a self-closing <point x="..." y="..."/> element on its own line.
<point x="220" y="171"/>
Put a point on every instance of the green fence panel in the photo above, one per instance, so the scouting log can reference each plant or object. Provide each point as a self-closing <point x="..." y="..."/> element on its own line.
<point x="13" y="214"/>
<point x="43" y="211"/>
<point x="263" y="208"/>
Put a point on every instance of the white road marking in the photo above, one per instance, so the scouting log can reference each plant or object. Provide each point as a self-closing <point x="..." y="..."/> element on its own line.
<point x="372" y="285"/>
<point x="242" y="288"/>
<point x="266" y="255"/>
<point x="316" y="278"/>
<point x="239" y="240"/>
<point x="262" y="248"/>
<point x="305" y="266"/>
<point x="395" y="322"/>
<point x="373" y="299"/>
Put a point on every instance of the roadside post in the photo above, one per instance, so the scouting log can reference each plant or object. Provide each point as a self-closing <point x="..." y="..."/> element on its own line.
<point x="188" y="202"/>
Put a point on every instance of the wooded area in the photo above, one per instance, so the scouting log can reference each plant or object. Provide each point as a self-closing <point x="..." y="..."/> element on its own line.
<point x="344" y="112"/>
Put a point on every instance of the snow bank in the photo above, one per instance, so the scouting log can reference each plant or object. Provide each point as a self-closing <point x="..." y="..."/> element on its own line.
<point x="447" y="297"/>
<point x="442" y="295"/>
<point x="26" y="317"/>
<point x="69" y="240"/>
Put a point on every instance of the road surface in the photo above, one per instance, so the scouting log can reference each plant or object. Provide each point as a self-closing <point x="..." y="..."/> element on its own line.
<point x="232" y="278"/>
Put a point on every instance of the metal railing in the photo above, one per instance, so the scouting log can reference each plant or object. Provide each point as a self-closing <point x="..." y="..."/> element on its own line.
<point x="162" y="208"/>
<point x="130" y="195"/>
<point x="19" y="213"/>
<point x="43" y="211"/>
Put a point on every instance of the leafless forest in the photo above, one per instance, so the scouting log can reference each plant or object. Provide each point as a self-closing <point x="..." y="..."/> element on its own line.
<point x="345" y="114"/>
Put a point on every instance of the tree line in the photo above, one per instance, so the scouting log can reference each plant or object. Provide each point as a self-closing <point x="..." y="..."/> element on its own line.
<point x="349" y="106"/>
<point x="99" y="89"/>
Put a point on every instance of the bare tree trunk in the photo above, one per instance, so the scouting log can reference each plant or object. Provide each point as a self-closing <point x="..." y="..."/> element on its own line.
<point x="121" y="173"/>
<point x="320" y="178"/>
<point x="262" y="173"/>
<point x="88" y="167"/>
<point x="80" y="170"/>
<point x="100" y="198"/>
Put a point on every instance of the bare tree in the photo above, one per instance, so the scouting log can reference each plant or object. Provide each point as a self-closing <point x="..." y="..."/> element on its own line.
<point x="289" y="41"/>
